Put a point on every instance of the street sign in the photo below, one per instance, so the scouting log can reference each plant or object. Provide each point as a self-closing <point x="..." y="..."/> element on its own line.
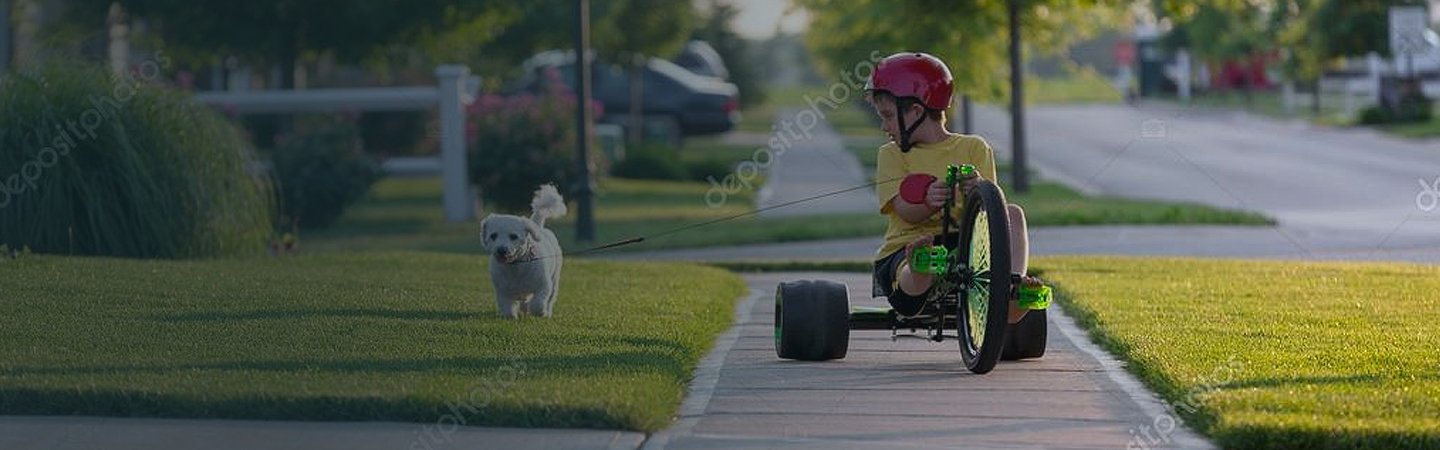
<point x="1407" y="30"/>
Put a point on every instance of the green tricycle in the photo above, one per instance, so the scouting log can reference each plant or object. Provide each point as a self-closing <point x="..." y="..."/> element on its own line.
<point x="969" y="301"/>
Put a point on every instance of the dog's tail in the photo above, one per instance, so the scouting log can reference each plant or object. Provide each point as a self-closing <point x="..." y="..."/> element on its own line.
<point x="547" y="204"/>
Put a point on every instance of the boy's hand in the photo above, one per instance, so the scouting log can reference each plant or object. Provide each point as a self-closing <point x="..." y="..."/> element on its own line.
<point x="936" y="195"/>
<point x="967" y="185"/>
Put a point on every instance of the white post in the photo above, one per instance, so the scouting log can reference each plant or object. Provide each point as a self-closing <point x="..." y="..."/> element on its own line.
<point x="1375" y="68"/>
<point x="1287" y="95"/>
<point x="1347" y="90"/>
<point x="119" y="32"/>
<point x="454" y="171"/>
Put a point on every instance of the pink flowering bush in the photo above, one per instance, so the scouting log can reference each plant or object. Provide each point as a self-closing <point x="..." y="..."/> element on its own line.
<point x="517" y="143"/>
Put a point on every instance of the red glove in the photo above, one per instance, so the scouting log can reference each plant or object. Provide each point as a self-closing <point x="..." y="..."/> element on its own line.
<point x="913" y="188"/>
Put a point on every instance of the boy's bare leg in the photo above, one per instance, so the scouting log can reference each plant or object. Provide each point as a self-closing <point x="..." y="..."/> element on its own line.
<point x="1019" y="255"/>
<point x="912" y="282"/>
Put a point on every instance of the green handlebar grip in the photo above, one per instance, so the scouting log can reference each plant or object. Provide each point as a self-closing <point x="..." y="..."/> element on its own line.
<point x="955" y="173"/>
<point x="1034" y="298"/>
<point x="931" y="259"/>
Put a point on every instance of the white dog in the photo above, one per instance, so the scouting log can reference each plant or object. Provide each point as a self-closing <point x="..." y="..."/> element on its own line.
<point x="526" y="263"/>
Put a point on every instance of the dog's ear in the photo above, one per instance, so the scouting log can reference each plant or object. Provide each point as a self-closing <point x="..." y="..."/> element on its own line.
<point x="483" y="230"/>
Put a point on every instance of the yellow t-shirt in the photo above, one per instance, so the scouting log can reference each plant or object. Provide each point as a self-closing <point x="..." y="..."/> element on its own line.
<point x="893" y="166"/>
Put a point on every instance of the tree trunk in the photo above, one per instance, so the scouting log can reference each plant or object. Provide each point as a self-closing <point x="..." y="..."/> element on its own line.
<point x="6" y="6"/>
<point x="636" y="131"/>
<point x="289" y="52"/>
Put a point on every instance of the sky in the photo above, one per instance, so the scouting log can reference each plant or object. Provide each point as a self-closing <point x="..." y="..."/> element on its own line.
<point x="758" y="18"/>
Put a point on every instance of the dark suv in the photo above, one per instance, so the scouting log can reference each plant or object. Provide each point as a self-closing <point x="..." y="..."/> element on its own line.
<point x="673" y="97"/>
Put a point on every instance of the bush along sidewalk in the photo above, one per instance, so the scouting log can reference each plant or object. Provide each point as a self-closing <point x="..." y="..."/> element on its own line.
<point x="93" y="163"/>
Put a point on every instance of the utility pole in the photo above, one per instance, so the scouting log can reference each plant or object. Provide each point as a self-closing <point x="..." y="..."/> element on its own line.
<point x="585" y="223"/>
<point x="967" y="125"/>
<point x="6" y="36"/>
<point x="1017" y="102"/>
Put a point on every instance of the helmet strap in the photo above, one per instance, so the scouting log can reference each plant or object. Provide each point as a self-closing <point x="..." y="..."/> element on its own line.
<point x="906" y="132"/>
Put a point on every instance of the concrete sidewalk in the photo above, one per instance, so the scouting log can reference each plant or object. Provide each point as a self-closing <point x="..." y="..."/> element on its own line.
<point x="910" y="393"/>
<point x="816" y="165"/>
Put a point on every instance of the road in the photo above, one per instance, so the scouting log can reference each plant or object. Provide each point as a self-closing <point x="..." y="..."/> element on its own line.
<point x="1334" y="192"/>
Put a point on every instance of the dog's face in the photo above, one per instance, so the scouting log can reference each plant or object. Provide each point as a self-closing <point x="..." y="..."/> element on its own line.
<point x="507" y="237"/>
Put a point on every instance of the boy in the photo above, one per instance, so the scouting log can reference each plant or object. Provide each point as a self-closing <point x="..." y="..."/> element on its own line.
<point x="910" y="92"/>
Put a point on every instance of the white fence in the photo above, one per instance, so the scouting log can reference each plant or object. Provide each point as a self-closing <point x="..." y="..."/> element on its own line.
<point x="455" y="90"/>
<point x="1363" y="89"/>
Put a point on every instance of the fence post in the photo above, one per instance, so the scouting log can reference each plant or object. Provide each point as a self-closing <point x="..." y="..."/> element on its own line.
<point x="454" y="170"/>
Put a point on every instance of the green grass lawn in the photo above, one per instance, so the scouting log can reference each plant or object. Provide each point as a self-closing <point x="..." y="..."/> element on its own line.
<point x="1078" y="86"/>
<point x="353" y="337"/>
<point x="1272" y="354"/>
<point x="404" y="214"/>
<point x="849" y="115"/>
<point x="1054" y="204"/>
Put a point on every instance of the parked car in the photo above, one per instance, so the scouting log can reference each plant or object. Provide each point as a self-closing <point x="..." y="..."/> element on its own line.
<point x="699" y="57"/>
<point x="673" y="97"/>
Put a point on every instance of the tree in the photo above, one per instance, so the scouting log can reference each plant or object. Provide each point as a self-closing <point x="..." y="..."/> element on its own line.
<point x="970" y="35"/>
<point x="1309" y="34"/>
<point x="279" y="32"/>
<point x="715" y="29"/>
<point x="644" y="29"/>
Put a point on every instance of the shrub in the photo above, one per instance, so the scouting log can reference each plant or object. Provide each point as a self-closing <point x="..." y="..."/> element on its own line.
<point x="1401" y="101"/>
<point x="649" y="161"/>
<point x="709" y="168"/>
<point x="321" y="168"/>
<point x="1409" y="110"/>
<point x="520" y="142"/>
<point x="98" y="164"/>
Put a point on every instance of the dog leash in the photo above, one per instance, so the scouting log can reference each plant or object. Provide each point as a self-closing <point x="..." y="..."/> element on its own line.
<point x="639" y="239"/>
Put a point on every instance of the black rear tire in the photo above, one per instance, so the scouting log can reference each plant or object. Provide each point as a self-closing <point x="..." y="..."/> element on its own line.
<point x="812" y="320"/>
<point x="1026" y="338"/>
<point x="985" y="304"/>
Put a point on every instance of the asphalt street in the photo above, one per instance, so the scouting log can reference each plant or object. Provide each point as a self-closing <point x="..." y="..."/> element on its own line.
<point x="1336" y="193"/>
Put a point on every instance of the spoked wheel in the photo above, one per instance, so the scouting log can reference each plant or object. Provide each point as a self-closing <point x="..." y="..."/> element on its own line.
<point x="984" y="249"/>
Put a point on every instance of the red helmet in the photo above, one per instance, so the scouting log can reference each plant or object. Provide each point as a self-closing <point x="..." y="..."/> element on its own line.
<point x="914" y="74"/>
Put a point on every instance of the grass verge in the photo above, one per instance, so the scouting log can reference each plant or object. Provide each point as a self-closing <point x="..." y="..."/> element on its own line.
<point x="1283" y="355"/>
<point x="849" y="115"/>
<point x="403" y="214"/>
<point x="362" y="337"/>
<point x="1053" y="204"/>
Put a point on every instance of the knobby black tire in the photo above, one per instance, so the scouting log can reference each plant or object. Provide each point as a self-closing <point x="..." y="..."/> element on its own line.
<point x="812" y="320"/>
<point x="1026" y="338"/>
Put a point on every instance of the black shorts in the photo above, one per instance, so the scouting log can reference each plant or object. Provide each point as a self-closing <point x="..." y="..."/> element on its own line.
<point x="886" y="269"/>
